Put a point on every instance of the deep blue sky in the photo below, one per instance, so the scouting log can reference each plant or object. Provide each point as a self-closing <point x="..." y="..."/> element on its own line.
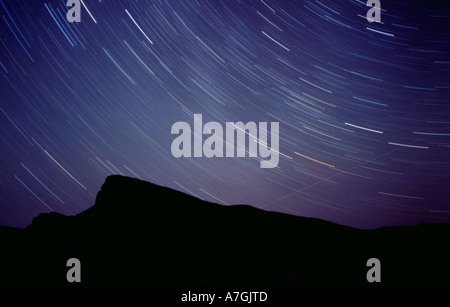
<point x="364" y="108"/>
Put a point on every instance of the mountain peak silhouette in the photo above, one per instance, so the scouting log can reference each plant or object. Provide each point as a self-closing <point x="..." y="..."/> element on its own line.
<point x="139" y="233"/>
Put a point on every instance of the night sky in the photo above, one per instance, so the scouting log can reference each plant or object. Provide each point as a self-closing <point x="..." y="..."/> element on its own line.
<point x="364" y="108"/>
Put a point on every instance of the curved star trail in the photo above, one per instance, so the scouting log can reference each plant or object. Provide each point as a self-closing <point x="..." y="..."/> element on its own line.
<point x="364" y="108"/>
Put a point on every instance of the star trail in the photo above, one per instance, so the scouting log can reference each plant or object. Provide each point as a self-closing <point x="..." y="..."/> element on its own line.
<point x="363" y="108"/>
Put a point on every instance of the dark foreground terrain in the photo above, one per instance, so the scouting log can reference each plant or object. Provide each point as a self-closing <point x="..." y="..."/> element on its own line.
<point x="141" y="234"/>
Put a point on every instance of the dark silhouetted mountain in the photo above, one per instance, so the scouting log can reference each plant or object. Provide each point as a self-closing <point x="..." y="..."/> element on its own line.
<point x="138" y="233"/>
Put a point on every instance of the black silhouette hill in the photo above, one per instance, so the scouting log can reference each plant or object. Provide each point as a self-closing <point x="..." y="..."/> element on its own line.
<point x="141" y="234"/>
